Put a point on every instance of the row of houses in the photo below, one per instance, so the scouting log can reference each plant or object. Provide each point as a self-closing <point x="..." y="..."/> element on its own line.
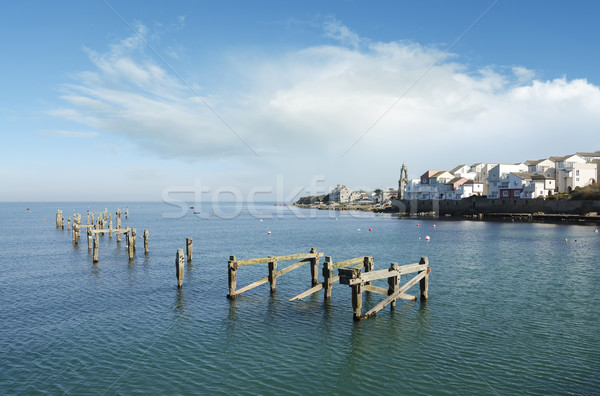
<point x="529" y="179"/>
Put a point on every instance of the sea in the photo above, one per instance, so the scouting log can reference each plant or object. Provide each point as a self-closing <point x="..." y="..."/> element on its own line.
<point x="513" y="308"/>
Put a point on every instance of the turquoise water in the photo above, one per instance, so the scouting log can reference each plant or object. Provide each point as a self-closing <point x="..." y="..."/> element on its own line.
<point x="513" y="308"/>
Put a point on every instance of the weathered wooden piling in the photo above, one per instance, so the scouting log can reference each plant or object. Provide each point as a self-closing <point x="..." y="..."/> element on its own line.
<point x="179" y="267"/>
<point x="393" y="282"/>
<point x="96" y="248"/>
<point x="58" y="218"/>
<point x="145" y="241"/>
<point x="127" y="213"/>
<point x="74" y="234"/>
<point x="357" y="291"/>
<point x="368" y="266"/>
<point x="273" y="275"/>
<point x="327" y="277"/>
<point x="424" y="283"/>
<point x="68" y="224"/>
<point x="118" y="218"/>
<point x="62" y="222"/>
<point x="189" y="243"/>
<point x="232" y="276"/>
<point x="89" y="236"/>
<point x="314" y="267"/>
<point x="110" y="228"/>
<point x="133" y="237"/>
<point x="129" y="246"/>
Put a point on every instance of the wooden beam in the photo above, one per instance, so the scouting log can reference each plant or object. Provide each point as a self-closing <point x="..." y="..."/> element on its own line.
<point x="252" y="285"/>
<point x="116" y="230"/>
<point x="307" y="293"/>
<point x="291" y="267"/>
<point x="376" y="289"/>
<point x="346" y="263"/>
<point x="263" y="260"/>
<point x="314" y="268"/>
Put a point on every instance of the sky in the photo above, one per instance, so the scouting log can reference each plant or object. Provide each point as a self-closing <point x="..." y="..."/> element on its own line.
<point x="270" y="101"/>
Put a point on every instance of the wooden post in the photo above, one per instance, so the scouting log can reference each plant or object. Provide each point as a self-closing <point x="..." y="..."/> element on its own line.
<point x="145" y="241"/>
<point x="96" y="246"/>
<point x="110" y="228"/>
<point x="424" y="284"/>
<point x="74" y="234"/>
<point x="62" y="222"/>
<point x="130" y="246"/>
<point x="314" y="267"/>
<point x="273" y="275"/>
<point x="179" y="267"/>
<point x="118" y="218"/>
<point x="368" y="263"/>
<point x="133" y="238"/>
<point x="327" y="277"/>
<point x="127" y="213"/>
<point x="68" y="223"/>
<point x="189" y="250"/>
<point x="393" y="284"/>
<point x="58" y="218"/>
<point x="89" y="235"/>
<point x="77" y="233"/>
<point x="232" y="275"/>
<point x="357" y="291"/>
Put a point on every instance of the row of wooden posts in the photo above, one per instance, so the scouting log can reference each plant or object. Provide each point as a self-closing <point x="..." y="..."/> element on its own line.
<point x="96" y="225"/>
<point x="349" y="273"/>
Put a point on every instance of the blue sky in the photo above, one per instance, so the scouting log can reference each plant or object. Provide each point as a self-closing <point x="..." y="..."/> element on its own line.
<point x="124" y="100"/>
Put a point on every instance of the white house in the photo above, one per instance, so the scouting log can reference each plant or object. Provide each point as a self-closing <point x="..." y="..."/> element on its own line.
<point x="540" y="166"/>
<point x="539" y="185"/>
<point x="576" y="175"/>
<point x="468" y="189"/>
<point x="465" y="171"/>
<point x="498" y="178"/>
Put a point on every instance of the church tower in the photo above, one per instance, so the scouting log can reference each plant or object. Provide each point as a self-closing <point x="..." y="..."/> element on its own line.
<point x="402" y="182"/>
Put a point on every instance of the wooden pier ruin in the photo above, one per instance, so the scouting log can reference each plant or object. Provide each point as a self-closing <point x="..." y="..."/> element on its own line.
<point x="358" y="281"/>
<point x="312" y="257"/>
<point x="350" y="272"/>
<point x="96" y="226"/>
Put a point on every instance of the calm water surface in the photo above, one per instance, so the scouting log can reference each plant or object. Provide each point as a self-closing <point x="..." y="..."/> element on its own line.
<point x="514" y="308"/>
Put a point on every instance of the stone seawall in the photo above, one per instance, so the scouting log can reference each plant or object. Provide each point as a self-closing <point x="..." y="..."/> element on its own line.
<point x="477" y="205"/>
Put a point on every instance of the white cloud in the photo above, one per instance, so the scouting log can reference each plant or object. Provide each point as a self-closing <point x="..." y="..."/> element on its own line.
<point x="306" y="108"/>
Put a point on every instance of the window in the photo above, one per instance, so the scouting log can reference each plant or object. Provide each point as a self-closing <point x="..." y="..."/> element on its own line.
<point x="577" y="179"/>
<point x="577" y="172"/>
<point x="505" y="193"/>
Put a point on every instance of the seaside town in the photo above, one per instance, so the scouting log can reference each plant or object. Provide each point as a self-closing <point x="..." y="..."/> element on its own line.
<point x="548" y="178"/>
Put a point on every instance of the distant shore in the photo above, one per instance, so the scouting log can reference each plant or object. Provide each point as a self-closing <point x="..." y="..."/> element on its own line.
<point x="589" y="218"/>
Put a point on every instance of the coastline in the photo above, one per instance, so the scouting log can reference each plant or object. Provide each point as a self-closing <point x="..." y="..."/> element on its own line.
<point x="588" y="218"/>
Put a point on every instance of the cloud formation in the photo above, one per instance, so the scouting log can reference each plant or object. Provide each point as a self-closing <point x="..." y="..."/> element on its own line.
<point x="318" y="101"/>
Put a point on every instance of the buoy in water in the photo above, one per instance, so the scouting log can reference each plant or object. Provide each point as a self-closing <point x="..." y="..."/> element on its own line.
<point x="417" y="224"/>
<point x="566" y="240"/>
<point x="268" y="232"/>
<point x="596" y="230"/>
<point x="260" y="219"/>
<point x="44" y="220"/>
<point x="370" y="229"/>
<point x="427" y="238"/>
<point x="434" y="226"/>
